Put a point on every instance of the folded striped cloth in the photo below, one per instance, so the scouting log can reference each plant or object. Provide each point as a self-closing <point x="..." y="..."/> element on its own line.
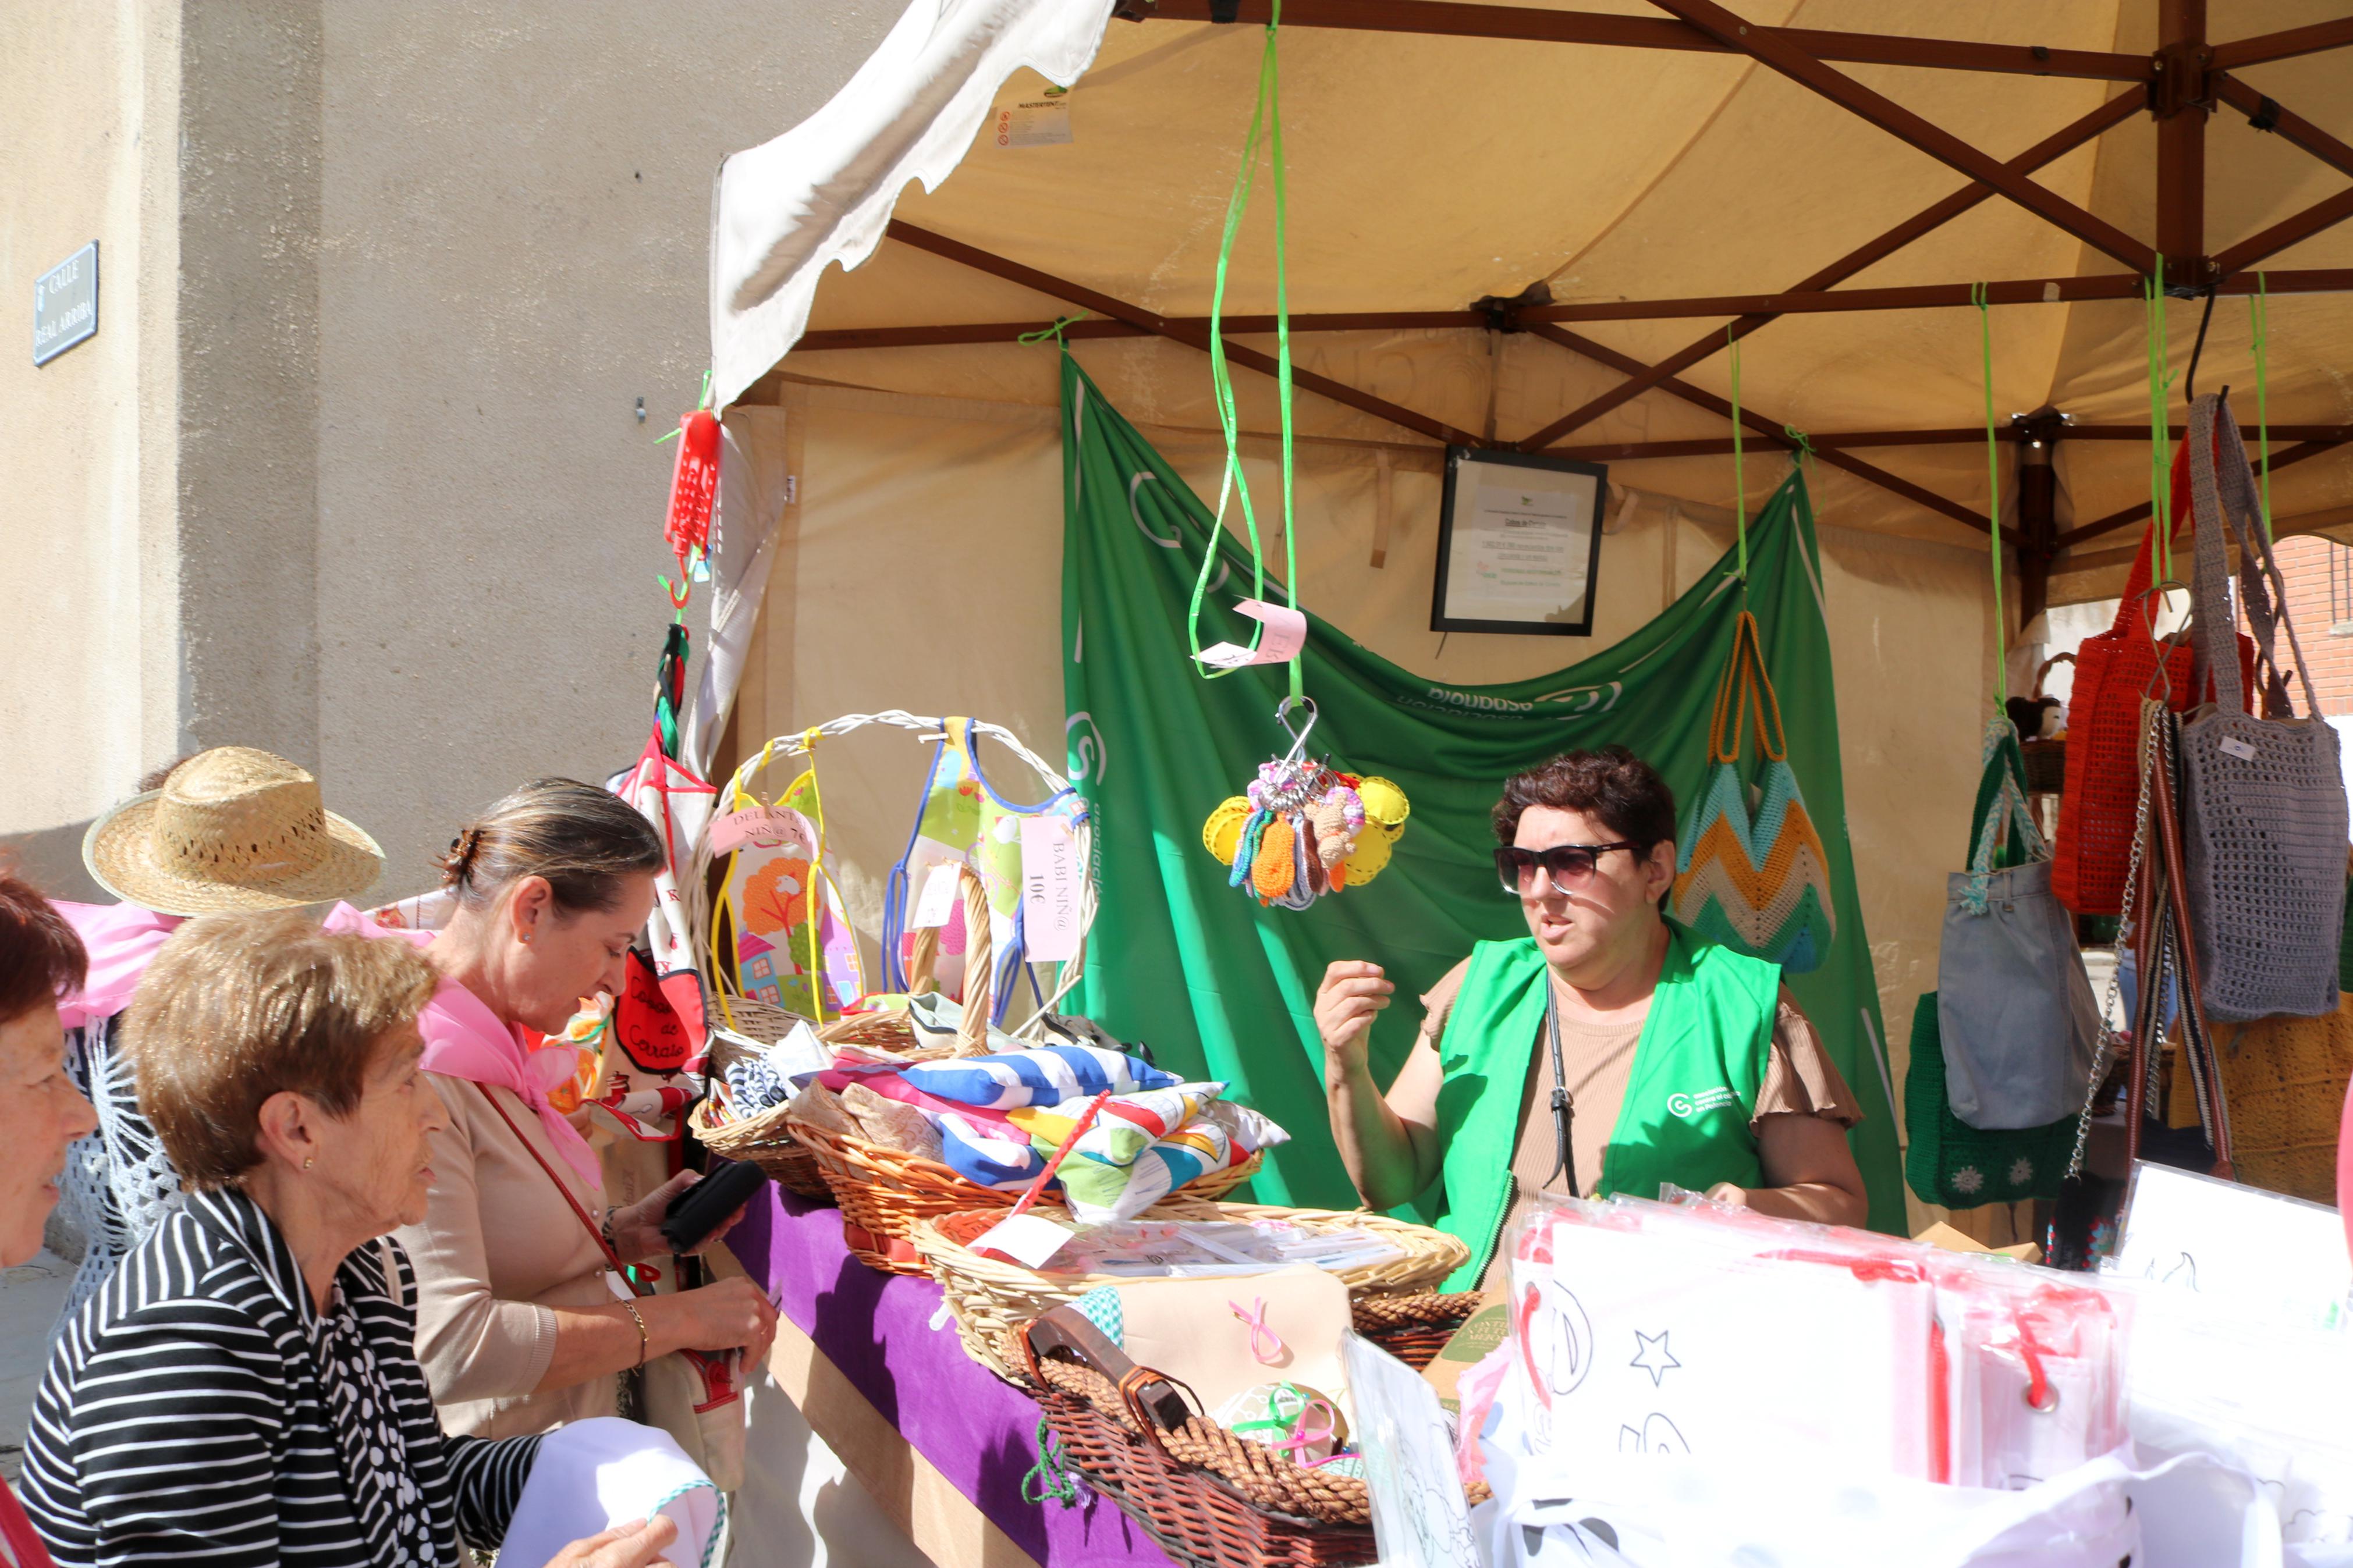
<point x="1045" y="1077"/>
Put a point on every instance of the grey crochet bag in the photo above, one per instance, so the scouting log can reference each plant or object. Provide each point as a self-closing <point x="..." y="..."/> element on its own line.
<point x="2265" y="807"/>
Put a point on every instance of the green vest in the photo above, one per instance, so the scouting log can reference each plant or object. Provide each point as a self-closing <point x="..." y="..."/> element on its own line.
<point x="1697" y="1070"/>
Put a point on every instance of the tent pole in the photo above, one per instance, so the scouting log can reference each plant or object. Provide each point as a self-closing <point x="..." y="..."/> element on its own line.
<point x="2269" y="114"/>
<point x="2038" y="435"/>
<point x="2263" y="46"/>
<point x="2180" y="98"/>
<point x="1807" y="71"/>
<point x="1199" y="338"/>
<point x="1772" y="429"/>
<point x="2132" y="514"/>
<point x="2115" y="112"/>
<point x="2290" y="230"/>
<point x="1916" y="297"/>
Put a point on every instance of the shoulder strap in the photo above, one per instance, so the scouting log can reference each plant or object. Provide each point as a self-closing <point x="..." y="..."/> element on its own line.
<point x="596" y="1232"/>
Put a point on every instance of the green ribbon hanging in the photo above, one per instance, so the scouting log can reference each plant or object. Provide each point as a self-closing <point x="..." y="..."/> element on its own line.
<point x="1993" y="495"/>
<point x="2160" y="437"/>
<point x="1266" y="119"/>
<point x="1739" y="463"/>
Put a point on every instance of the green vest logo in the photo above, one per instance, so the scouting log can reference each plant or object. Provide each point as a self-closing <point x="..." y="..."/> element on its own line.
<point x="1690" y="1105"/>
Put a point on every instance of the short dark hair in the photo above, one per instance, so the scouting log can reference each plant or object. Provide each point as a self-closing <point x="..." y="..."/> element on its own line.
<point x="1612" y="784"/>
<point x="41" y="958"/>
<point x="236" y="1008"/>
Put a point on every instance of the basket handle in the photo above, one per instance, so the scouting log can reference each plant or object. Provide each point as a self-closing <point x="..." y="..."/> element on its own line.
<point x="1743" y="684"/>
<point x="2043" y="670"/>
<point x="979" y="965"/>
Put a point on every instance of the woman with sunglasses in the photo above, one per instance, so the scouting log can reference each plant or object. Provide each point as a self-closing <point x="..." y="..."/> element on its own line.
<point x="1610" y="1051"/>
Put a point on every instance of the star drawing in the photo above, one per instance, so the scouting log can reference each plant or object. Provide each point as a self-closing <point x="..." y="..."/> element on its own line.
<point x="1652" y="1355"/>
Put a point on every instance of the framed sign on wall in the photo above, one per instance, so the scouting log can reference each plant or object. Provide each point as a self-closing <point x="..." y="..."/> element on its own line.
<point x="1519" y="539"/>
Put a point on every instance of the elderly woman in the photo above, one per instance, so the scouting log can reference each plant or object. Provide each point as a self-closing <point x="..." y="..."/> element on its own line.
<point x="40" y="960"/>
<point x="551" y="885"/>
<point x="244" y="1388"/>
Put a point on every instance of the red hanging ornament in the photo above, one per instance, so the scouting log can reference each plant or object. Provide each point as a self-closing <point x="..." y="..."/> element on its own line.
<point x="693" y="485"/>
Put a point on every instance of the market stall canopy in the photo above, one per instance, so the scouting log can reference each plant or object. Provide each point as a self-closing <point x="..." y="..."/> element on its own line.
<point x="1547" y="223"/>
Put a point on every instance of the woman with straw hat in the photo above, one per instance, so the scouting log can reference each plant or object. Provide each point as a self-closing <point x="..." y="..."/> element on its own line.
<point x="232" y="830"/>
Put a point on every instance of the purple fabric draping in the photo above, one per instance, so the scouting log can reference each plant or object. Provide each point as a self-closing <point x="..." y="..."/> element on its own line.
<point x="980" y="1434"/>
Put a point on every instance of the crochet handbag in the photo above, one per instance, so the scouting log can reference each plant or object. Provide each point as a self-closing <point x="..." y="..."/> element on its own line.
<point x="1758" y="883"/>
<point x="2286" y="1079"/>
<point x="1948" y="1162"/>
<point x="2016" y="1018"/>
<point x="2263" y="798"/>
<point x="2113" y="670"/>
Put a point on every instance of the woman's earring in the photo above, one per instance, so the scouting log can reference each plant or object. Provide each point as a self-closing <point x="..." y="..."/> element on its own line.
<point x="526" y="936"/>
<point x="309" y="1160"/>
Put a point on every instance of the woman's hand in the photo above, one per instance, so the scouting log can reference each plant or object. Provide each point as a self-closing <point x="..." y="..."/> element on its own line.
<point x="625" y="1546"/>
<point x="1351" y="997"/>
<point x="636" y="1227"/>
<point x="731" y="1314"/>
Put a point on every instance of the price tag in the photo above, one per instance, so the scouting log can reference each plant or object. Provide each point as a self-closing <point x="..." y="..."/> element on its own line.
<point x="2238" y="749"/>
<point x="1025" y="1238"/>
<point x="937" y="901"/>
<point x="1286" y="634"/>
<point x="764" y="825"/>
<point x="1051" y="882"/>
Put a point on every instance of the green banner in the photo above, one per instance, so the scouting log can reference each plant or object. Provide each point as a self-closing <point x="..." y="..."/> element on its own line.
<point x="1223" y="988"/>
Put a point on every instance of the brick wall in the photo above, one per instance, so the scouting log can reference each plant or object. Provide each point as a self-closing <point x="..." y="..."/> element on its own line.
<point x="2304" y="564"/>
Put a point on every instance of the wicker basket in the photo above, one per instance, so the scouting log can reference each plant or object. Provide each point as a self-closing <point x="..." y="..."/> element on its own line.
<point x="885" y="1193"/>
<point x="990" y="1297"/>
<point x="1206" y="1497"/>
<point x="760" y="1138"/>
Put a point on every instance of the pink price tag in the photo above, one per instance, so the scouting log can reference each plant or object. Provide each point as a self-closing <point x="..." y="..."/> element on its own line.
<point x="1286" y="634"/>
<point x="766" y="826"/>
<point x="1052" y="883"/>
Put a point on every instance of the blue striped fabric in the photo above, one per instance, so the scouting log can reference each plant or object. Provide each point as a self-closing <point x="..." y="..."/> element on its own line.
<point x="1044" y="1076"/>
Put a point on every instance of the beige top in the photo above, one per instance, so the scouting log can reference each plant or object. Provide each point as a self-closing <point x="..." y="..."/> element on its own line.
<point x="1799" y="1079"/>
<point x="500" y="1247"/>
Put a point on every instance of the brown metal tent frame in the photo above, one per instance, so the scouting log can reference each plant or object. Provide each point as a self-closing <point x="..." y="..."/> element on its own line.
<point x="2179" y="86"/>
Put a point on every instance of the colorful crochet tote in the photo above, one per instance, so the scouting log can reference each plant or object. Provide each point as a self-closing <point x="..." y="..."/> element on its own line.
<point x="1757" y="880"/>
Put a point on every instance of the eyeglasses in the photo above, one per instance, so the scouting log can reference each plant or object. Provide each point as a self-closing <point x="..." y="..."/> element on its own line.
<point x="1565" y="865"/>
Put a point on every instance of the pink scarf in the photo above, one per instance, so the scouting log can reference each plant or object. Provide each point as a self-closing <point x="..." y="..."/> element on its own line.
<point x="463" y="1038"/>
<point x="122" y="940"/>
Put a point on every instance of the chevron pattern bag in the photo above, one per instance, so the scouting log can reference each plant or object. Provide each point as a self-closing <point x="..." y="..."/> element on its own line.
<point x="1751" y="871"/>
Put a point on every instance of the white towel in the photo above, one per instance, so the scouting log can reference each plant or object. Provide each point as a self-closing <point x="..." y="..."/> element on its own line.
<point x="602" y="1472"/>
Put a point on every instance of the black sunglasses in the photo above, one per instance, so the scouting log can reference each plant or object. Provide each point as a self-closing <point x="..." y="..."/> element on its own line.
<point x="1566" y="865"/>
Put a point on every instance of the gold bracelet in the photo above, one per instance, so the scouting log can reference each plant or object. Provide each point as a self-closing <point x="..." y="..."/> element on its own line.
<point x="644" y="1343"/>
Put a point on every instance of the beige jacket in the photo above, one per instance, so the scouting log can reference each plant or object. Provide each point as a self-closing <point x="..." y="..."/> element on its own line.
<point x="499" y="1247"/>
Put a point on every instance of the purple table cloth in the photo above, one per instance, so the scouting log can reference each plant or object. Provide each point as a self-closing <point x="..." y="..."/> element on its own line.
<point x="977" y="1431"/>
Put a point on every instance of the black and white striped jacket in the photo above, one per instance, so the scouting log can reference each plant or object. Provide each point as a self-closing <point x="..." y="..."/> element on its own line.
<point x="184" y="1416"/>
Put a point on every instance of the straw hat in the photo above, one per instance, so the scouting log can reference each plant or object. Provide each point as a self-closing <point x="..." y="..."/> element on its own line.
<point x="232" y="830"/>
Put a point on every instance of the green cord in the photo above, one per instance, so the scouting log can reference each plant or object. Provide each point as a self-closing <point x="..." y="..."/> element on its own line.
<point x="2259" y="315"/>
<point x="1265" y="114"/>
<point x="1739" y="464"/>
<point x="1053" y="331"/>
<point x="2160" y="429"/>
<point x="1993" y="504"/>
<point x="1054" y="1477"/>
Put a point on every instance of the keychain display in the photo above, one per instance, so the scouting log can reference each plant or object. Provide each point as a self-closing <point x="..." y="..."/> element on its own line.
<point x="1302" y="828"/>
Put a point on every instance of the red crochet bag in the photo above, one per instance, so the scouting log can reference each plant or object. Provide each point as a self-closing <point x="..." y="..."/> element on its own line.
<point x="2114" y="669"/>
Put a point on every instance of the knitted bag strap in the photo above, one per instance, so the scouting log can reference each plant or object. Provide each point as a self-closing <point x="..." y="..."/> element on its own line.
<point x="2222" y="494"/>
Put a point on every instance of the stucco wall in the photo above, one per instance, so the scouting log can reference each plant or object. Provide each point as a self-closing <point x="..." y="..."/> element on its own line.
<point x="357" y="475"/>
<point x="88" y="677"/>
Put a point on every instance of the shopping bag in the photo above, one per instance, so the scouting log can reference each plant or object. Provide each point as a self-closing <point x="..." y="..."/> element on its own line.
<point x="1948" y="1160"/>
<point x="696" y="1397"/>
<point x="2113" y="670"/>
<point x="2015" y="1012"/>
<point x="2263" y="808"/>
<point x="1756" y="880"/>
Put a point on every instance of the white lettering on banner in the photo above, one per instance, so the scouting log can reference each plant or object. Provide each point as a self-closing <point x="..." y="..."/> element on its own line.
<point x="1690" y="1105"/>
<point x="1051" y="882"/>
<point x="1084" y="746"/>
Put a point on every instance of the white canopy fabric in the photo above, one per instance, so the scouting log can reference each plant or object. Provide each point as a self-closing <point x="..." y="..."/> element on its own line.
<point x="1425" y="173"/>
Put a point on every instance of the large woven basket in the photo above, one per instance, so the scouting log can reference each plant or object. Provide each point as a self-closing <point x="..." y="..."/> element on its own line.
<point x="1207" y="1497"/>
<point x="760" y="1138"/>
<point x="885" y="1193"/>
<point x="990" y="1297"/>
